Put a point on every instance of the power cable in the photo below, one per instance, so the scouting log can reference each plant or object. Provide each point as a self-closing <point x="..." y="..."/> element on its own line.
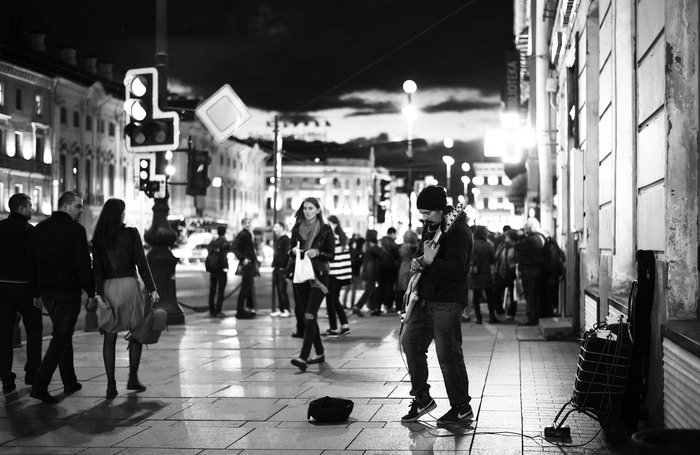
<point x="404" y="44"/>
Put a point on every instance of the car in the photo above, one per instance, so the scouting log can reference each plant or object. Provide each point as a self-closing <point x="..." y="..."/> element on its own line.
<point x="198" y="254"/>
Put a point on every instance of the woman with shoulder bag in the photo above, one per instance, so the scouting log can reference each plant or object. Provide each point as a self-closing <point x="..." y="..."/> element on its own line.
<point x="117" y="252"/>
<point x="313" y="238"/>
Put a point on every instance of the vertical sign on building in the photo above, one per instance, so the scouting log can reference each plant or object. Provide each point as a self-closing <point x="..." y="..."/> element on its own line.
<point x="511" y="89"/>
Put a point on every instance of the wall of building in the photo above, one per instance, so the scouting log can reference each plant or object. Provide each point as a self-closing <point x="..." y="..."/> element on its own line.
<point x="630" y="69"/>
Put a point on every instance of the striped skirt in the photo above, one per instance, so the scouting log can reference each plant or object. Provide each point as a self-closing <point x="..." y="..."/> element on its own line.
<point x="126" y="296"/>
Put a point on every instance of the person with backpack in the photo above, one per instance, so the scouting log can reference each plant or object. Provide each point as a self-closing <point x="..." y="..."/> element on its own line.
<point x="217" y="266"/>
<point x="529" y="259"/>
<point x="553" y="259"/>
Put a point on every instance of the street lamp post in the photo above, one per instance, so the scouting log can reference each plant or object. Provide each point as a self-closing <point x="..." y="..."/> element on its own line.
<point x="449" y="161"/>
<point x="409" y="111"/>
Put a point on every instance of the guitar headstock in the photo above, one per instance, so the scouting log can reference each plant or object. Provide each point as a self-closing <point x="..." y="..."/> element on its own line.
<point x="451" y="217"/>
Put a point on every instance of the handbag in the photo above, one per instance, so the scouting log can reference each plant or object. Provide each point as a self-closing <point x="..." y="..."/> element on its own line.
<point x="149" y="329"/>
<point x="303" y="270"/>
<point x="106" y="319"/>
<point x="329" y="410"/>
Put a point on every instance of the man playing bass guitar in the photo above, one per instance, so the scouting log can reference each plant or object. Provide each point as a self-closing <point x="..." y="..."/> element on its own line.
<point x="442" y="292"/>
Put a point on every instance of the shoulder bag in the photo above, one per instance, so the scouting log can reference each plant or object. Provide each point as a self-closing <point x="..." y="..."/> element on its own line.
<point x="149" y="329"/>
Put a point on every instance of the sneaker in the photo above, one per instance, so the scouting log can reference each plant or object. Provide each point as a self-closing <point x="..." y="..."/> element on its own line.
<point x="509" y="318"/>
<point x="274" y="314"/>
<point x="457" y="414"/>
<point x="285" y="314"/>
<point x="417" y="410"/>
<point x="330" y="333"/>
<point x="344" y="330"/>
<point x="375" y="312"/>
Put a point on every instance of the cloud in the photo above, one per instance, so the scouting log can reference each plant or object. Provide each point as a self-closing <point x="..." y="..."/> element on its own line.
<point x="456" y="105"/>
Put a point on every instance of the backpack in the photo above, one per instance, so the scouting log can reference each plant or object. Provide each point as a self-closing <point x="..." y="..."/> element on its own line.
<point x="216" y="260"/>
<point x="552" y="263"/>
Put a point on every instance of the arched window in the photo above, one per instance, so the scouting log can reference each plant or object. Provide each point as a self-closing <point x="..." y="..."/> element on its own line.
<point x="76" y="174"/>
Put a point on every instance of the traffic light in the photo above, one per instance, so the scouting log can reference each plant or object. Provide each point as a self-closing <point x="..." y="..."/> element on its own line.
<point x="148" y="129"/>
<point x="197" y="173"/>
<point x="384" y="200"/>
<point x="146" y="168"/>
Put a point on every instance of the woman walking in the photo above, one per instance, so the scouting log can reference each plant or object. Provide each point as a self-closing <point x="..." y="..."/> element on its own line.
<point x="117" y="253"/>
<point x="340" y="275"/>
<point x="312" y="237"/>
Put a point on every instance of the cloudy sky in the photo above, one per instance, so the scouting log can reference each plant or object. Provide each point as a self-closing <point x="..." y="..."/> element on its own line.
<point x="338" y="62"/>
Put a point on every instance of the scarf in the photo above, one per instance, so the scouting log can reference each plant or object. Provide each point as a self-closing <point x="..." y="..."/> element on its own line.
<point x="308" y="233"/>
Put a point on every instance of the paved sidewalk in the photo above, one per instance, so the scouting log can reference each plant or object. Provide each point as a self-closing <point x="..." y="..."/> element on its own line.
<point x="222" y="386"/>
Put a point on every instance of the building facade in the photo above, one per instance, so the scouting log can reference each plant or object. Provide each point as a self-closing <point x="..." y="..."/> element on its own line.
<point x="345" y="188"/>
<point x="617" y="121"/>
<point x="62" y="129"/>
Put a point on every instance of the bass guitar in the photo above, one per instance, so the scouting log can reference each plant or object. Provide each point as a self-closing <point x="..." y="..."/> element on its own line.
<point x="410" y="298"/>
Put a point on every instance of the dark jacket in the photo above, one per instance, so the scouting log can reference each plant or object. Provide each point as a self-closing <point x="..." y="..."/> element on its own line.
<point x="447" y="278"/>
<point x="244" y="248"/>
<point x="529" y="253"/>
<point x="58" y="257"/>
<point x="280" y="258"/>
<point x="324" y="243"/>
<point x="391" y="259"/>
<point x="480" y="276"/>
<point x="122" y="260"/>
<point x="14" y="231"/>
<point x="371" y="257"/>
<point x="219" y="247"/>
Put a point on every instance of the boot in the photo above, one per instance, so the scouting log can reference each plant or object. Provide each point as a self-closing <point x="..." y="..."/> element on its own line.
<point x="493" y="319"/>
<point x="135" y="384"/>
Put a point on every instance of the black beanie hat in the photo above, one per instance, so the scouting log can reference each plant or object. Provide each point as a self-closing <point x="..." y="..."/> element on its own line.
<point x="432" y="198"/>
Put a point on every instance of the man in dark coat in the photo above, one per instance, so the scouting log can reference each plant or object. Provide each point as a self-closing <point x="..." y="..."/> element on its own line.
<point x="388" y="272"/>
<point x="248" y="268"/>
<point x="59" y="269"/>
<point x="529" y="259"/>
<point x="218" y="271"/>
<point x="280" y="260"/>
<point x="15" y="293"/>
<point x="442" y="294"/>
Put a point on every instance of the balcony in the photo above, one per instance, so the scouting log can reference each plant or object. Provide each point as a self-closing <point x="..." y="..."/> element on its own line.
<point x="21" y="164"/>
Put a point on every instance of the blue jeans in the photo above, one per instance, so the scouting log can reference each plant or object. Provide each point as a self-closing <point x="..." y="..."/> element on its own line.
<point x="63" y="309"/>
<point x="442" y="322"/>
<point x="311" y="299"/>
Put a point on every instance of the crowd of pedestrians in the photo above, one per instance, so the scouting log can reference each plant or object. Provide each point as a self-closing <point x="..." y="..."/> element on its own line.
<point x="53" y="267"/>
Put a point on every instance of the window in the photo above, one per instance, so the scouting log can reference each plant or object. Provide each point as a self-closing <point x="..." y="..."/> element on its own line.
<point x="36" y="197"/>
<point x="18" y="99"/>
<point x="100" y="125"/>
<point x="88" y="180"/>
<point x="358" y="182"/>
<point x="39" y="147"/>
<point x="112" y="129"/>
<point x="76" y="119"/>
<point x="88" y="123"/>
<point x="221" y="160"/>
<point x="288" y="203"/>
<point x="3" y="198"/>
<point x="2" y="141"/>
<point x="18" y="144"/>
<point x="38" y="105"/>
<point x="76" y="175"/>
<point x="64" y="116"/>
<point x="305" y="180"/>
<point x="111" y="179"/>
<point x="62" y="174"/>
<point x="335" y="201"/>
<point x="2" y="94"/>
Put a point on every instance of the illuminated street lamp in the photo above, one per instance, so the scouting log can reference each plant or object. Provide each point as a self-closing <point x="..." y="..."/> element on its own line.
<point x="465" y="181"/>
<point x="411" y="113"/>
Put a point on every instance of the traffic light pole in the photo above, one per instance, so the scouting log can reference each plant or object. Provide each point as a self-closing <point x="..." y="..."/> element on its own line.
<point x="160" y="235"/>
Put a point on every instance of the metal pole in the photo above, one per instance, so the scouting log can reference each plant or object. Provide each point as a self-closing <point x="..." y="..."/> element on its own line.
<point x="160" y="236"/>
<point x="409" y="154"/>
<point x="277" y="173"/>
